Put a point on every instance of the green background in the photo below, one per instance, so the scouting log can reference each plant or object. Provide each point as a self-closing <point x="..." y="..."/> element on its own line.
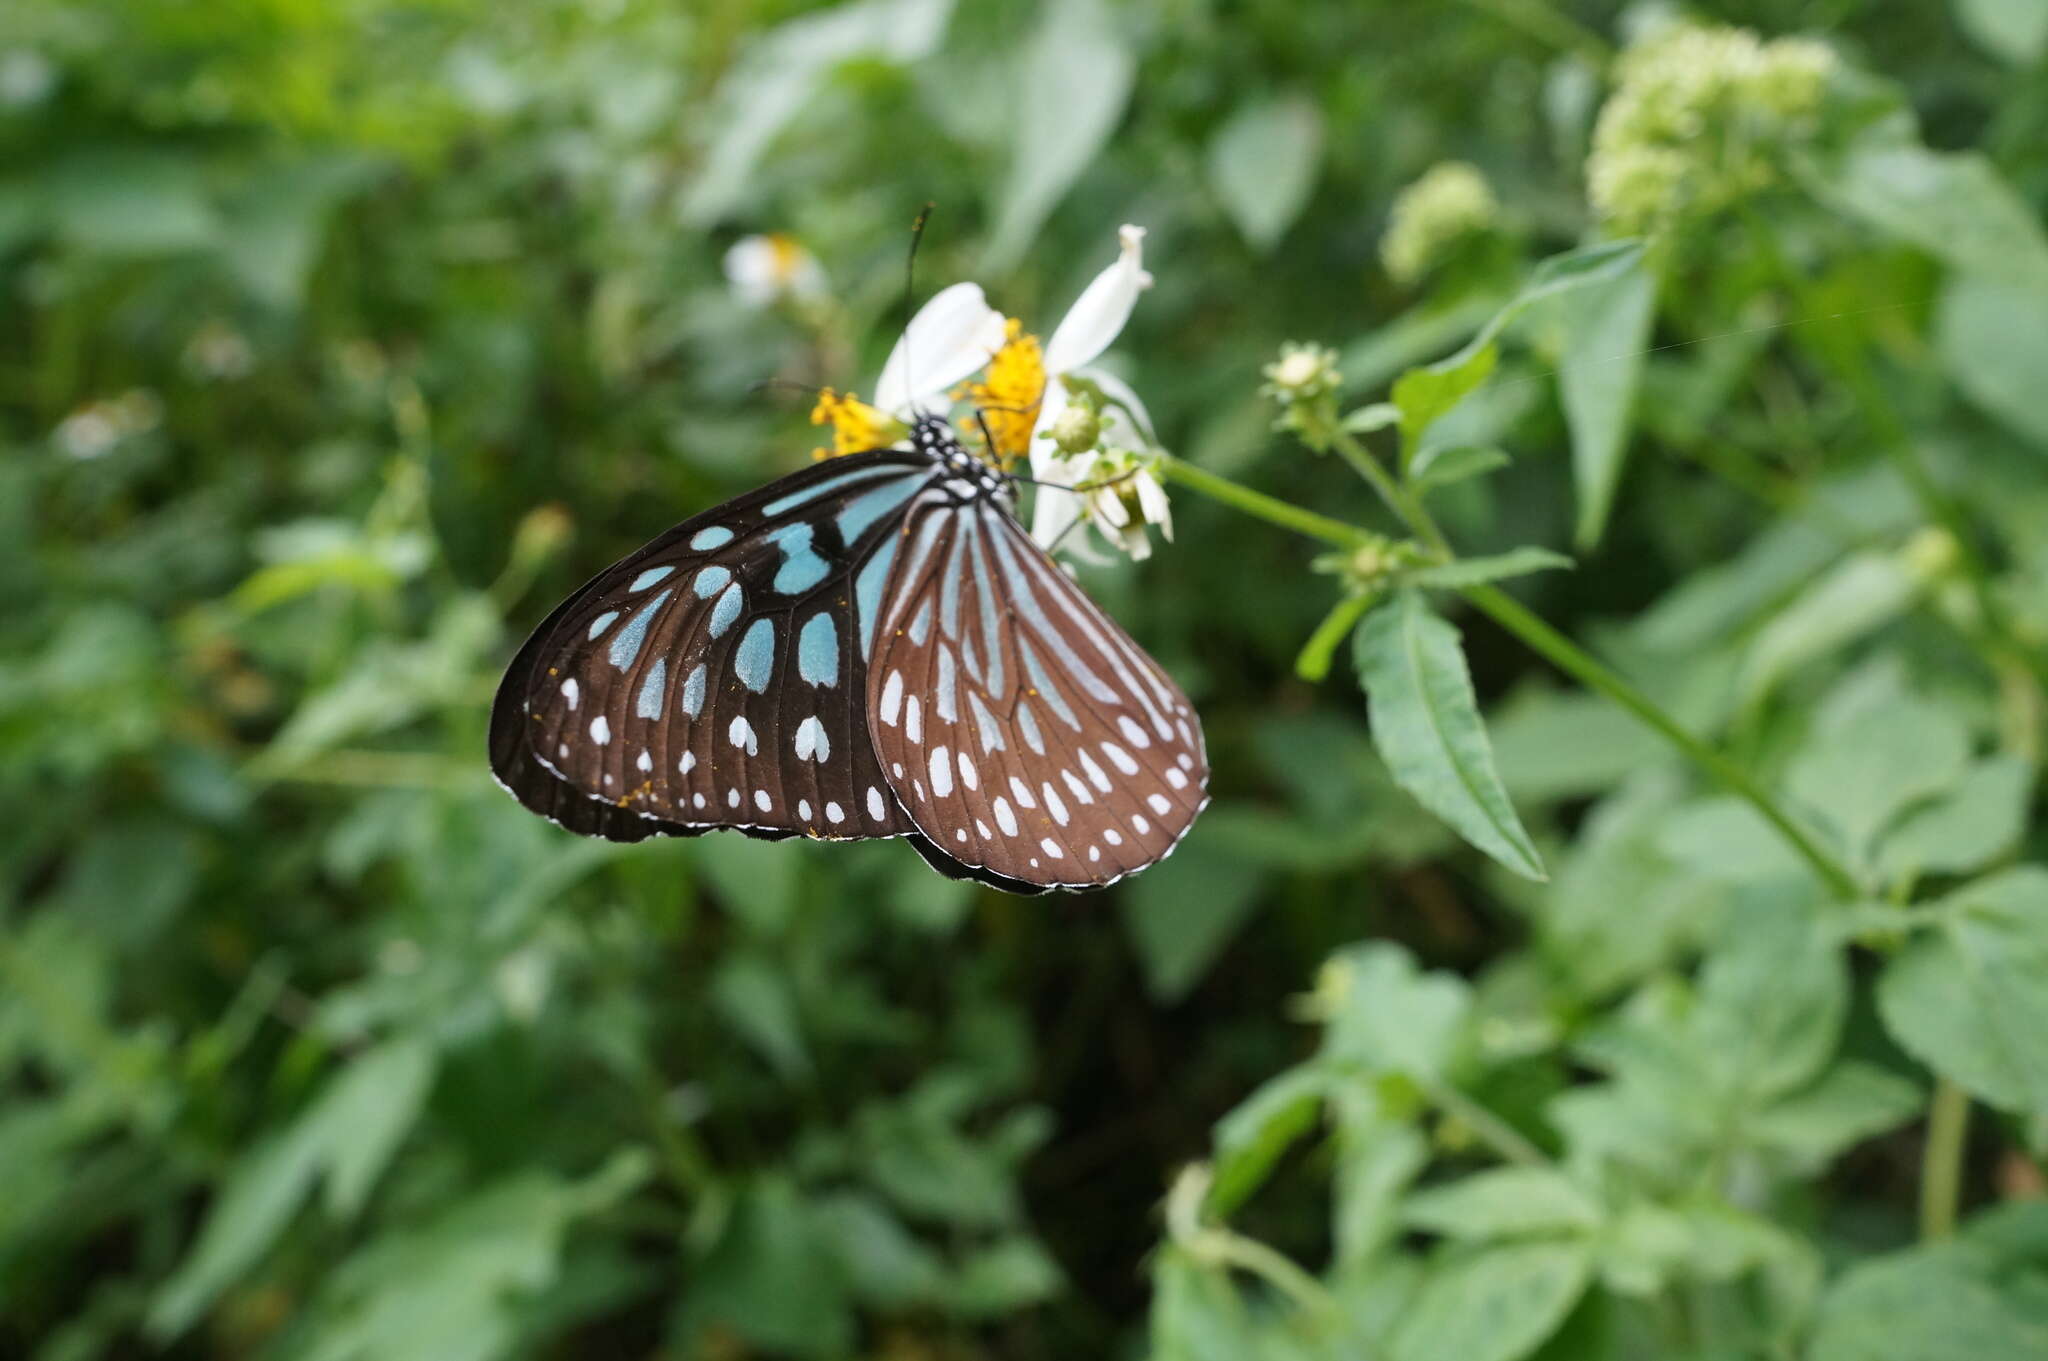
<point x="339" y="340"/>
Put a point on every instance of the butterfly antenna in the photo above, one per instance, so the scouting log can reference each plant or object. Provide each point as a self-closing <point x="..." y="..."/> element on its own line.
<point x="910" y="288"/>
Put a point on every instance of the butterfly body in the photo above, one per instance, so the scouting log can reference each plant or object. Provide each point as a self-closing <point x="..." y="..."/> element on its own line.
<point x="870" y="647"/>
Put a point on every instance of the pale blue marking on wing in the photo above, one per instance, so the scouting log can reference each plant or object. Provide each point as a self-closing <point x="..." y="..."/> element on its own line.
<point x="693" y="691"/>
<point x="626" y="642"/>
<point x="726" y="610"/>
<point x="985" y="723"/>
<point x="832" y="484"/>
<point x="870" y="506"/>
<point x="648" y="705"/>
<point x="944" y="701"/>
<point x="1027" y="723"/>
<point x="1022" y="596"/>
<point x="602" y="622"/>
<point x="949" y="582"/>
<point x="1047" y="691"/>
<point x="817" y="650"/>
<point x="867" y="591"/>
<point x="704" y="540"/>
<point x="649" y="577"/>
<point x="753" y="661"/>
<point x="802" y="567"/>
<point x="710" y="582"/>
<point x="991" y="625"/>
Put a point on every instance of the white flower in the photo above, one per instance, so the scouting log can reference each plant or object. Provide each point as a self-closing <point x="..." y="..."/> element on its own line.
<point x="1090" y="325"/>
<point x="952" y="336"/>
<point x="765" y="269"/>
<point x="1120" y="495"/>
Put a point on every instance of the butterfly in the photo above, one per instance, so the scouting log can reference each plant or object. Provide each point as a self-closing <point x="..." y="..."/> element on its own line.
<point x="871" y="647"/>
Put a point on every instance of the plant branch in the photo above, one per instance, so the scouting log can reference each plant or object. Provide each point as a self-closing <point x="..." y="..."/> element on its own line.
<point x="1941" y="1163"/>
<point x="1541" y="637"/>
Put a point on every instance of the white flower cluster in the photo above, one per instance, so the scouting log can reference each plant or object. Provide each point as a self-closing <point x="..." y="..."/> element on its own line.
<point x="1431" y="217"/>
<point x="1697" y="121"/>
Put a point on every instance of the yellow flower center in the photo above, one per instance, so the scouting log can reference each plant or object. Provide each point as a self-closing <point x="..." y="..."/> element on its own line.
<point x="1009" y="393"/>
<point x="856" y="426"/>
<point x="785" y="254"/>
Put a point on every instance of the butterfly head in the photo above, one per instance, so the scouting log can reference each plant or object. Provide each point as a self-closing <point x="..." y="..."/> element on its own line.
<point x="969" y="478"/>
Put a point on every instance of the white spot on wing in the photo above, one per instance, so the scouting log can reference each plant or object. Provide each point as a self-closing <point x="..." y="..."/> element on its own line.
<point x="968" y="775"/>
<point x="741" y="734"/>
<point x="1175" y="778"/>
<point x="1133" y="734"/>
<point x="1120" y="758"/>
<point x="1095" y="775"/>
<point x="892" y="697"/>
<point x="1052" y="801"/>
<point x="803" y="809"/>
<point x="600" y="731"/>
<point x="683" y="766"/>
<point x="942" y="772"/>
<point x="571" y="692"/>
<point x="1005" y="818"/>
<point x="834" y="814"/>
<point x="876" y="808"/>
<point x="1051" y="848"/>
<point x="913" y="720"/>
<point x="646" y="762"/>
<point x="761" y="800"/>
<point x="1076" y="788"/>
<point x="1159" y="804"/>
<point x="1023" y="793"/>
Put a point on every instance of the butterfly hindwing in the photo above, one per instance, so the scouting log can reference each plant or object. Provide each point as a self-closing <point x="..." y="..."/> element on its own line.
<point x="717" y="677"/>
<point x="1024" y="732"/>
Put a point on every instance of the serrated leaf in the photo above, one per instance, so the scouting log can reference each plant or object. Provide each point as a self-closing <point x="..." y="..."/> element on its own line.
<point x="1864" y="771"/>
<point x="1517" y="562"/>
<point x="1263" y="164"/>
<point x="1425" y="722"/>
<point x="1970" y="999"/>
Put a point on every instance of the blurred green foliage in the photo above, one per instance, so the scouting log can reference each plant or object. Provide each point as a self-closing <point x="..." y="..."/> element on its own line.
<point x="343" y="338"/>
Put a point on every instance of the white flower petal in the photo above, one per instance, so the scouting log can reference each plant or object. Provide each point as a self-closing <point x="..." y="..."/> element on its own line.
<point x="950" y="337"/>
<point x="1045" y="455"/>
<point x="751" y="269"/>
<point x="1102" y="309"/>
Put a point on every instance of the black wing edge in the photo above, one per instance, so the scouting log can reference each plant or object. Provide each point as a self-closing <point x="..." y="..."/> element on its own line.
<point x="954" y="869"/>
<point x="540" y="790"/>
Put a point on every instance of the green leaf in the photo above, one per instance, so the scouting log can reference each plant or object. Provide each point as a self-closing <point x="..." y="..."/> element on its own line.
<point x="757" y="881"/>
<point x="1372" y="416"/>
<point x="1251" y="1138"/>
<point x="1555" y="744"/>
<point x="1854" y="597"/>
<point x="1077" y="76"/>
<point x="1010" y="1274"/>
<point x="754" y="998"/>
<point x="124" y="201"/>
<point x="1980" y="819"/>
<point x="1263" y="164"/>
<point x="1425" y="722"/>
<point x="2014" y="30"/>
<point x="1947" y="1302"/>
<point x="1516" y="562"/>
<point x="1506" y="1202"/>
<point x="1379" y="1155"/>
<point x="1605" y="327"/>
<point x="1443" y="466"/>
<point x="1772" y="996"/>
<point x="1388" y="1016"/>
<point x="884" y="1263"/>
<point x="1183" y="911"/>
<point x="1970" y="999"/>
<point x="347" y="1135"/>
<point x="1993" y="339"/>
<point x="1425" y="394"/>
<point x="781" y="73"/>
<point x="1495" y="1303"/>
<point x="774" y="1237"/>
<point x="1956" y="207"/>
<point x="1864" y="771"/>
<point x="1851" y="1102"/>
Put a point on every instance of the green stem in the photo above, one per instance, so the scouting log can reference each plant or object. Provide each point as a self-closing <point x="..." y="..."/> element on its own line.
<point x="1513" y="616"/>
<point x="1941" y="1165"/>
<point x="1256" y="503"/>
<point x="1402" y="501"/>
<point x="1544" y="639"/>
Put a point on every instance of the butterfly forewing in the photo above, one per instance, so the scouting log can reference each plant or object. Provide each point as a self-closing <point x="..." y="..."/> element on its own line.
<point x="717" y="678"/>
<point x="1027" y="736"/>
